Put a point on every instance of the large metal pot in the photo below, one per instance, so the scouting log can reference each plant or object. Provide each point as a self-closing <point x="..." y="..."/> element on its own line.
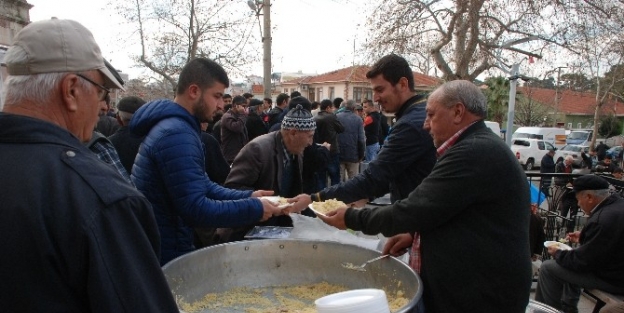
<point x="286" y="262"/>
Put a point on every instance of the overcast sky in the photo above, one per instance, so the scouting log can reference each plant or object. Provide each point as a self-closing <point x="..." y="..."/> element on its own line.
<point x="314" y="36"/>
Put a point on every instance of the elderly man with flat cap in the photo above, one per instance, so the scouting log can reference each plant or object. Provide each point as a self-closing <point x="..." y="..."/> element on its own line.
<point x="76" y="236"/>
<point x="598" y="262"/>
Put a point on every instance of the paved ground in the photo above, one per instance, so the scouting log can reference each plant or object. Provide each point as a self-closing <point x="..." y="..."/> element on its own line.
<point x="586" y="304"/>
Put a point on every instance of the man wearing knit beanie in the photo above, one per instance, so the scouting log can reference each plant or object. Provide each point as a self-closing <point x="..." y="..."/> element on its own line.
<point x="274" y="161"/>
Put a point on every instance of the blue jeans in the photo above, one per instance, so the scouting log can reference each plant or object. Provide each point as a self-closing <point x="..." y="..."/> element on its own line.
<point x="371" y="152"/>
<point x="333" y="170"/>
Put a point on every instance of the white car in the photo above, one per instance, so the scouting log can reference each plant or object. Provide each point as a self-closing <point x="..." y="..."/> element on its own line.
<point x="574" y="151"/>
<point x="529" y="152"/>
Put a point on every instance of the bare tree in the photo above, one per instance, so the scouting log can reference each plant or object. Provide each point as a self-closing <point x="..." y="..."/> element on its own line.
<point x="465" y="37"/>
<point x="530" y="112"/>
<point x="172" y="32"/>
<point x="600" y="47"/>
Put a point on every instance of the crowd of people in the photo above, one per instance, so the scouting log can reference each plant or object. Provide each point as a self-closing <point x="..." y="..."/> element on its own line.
<point x="95" y="204"/>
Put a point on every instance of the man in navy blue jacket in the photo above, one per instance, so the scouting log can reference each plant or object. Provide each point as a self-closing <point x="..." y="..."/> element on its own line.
<point x="77" y="236"/>
<point x="408" y="155"/>
<point x="170" y="171"/>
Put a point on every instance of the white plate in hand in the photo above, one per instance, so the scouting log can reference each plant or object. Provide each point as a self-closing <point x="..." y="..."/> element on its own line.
<point x="560" y="246"/>
<point x="311" y="206"/>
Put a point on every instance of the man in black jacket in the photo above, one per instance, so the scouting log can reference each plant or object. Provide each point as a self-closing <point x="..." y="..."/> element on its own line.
<point x="126" y="143"/>
<point x="464" y="215"/>
<point x="77" y="237"/>
<point x="598" y="263"/>
<point x="408" y="155"/>
<point x="547" y="166"/>
<point x="327" y="129"/>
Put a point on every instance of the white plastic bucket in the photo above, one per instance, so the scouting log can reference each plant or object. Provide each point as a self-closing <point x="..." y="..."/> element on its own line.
<point x="359" y="300"/>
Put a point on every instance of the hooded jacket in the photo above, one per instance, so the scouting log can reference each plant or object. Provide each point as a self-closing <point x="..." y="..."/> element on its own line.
<point x="170" y="171"/>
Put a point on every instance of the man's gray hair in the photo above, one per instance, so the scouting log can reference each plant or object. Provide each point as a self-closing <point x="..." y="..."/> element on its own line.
<point x="37" y="88"/>
<point x="350" y="105"/>
<point x="600" y="194"/>
<point x="464" y="92"/>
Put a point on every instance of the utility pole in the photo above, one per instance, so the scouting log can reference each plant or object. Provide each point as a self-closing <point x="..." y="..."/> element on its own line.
<point x="265" y="33"/>
<point x="557" y="95"/>
<point x="266" y="43"/>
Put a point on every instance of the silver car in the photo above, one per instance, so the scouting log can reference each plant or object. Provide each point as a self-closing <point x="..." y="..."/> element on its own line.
<point x="574" y="151"/>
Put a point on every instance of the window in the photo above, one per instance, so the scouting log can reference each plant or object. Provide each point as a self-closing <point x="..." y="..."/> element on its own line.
<point x="319" y="93"/>
<point x="549" y="146"/>
<point x="540" y="145"/>
<point x="331" y="93"/>
<point x="579" y="125"/>
<point x="569" y="125"/>
<point x="361" y="93"/>
<point x="286" y="90"/>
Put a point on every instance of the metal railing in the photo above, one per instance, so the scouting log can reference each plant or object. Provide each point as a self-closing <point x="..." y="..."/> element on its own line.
<point x="555" y="225"/>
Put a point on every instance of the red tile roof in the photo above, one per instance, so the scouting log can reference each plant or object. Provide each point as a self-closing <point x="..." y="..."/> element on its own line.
<point x="257" y="89"/>
<point x="572" y="102"/>
<point x="357" y="74"/>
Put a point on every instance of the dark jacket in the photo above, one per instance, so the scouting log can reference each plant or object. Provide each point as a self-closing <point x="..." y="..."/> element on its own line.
<point x="405" y="160"/>
<point x="255" y="126"/>
<point x="107" y="125"/>
<point x="384" y="129"/>
<point x="602" y="239"/>
<point x="217" y="167"/>
<point x="77" y="237"/>
<point x="466" y="213"/>
<point x="127" y="146"/>
<point x="276" y="115"/>
<point x="233" y="134"/>
<point x="260" y="164"/>
<point x="372" y="125"/>
<point x="351" y="140"/>
<point x="327" y="129"/>
<point x="548" y="164"/>
<point x="169" y="170"/>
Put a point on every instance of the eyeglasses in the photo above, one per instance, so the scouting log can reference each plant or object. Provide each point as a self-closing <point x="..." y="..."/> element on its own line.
<point x="103" y="91"/>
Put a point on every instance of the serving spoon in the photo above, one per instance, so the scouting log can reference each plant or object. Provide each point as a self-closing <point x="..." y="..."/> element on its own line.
<point x="361" y="268"/>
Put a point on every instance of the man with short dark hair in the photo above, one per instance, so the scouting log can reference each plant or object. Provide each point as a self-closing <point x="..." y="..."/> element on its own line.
<point x="328" y="128"/>
<point x="169" y="169"/>
<point x="277" y="113"/>
<point x="227" y="99"/>
<point x="126" y="143"/>
<point x="234" y="134"/>
<point x="409" y="154"/>
<point x="372" y="124"/>
<point x="464" y="202"/>
<point x="598" y="263"/>
<point x="77" y="237"/>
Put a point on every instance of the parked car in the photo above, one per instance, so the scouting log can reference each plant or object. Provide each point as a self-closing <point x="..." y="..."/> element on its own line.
<point x="529" y="152"/>
<point x="574" y="151"/>
<point x="614" y="152"/>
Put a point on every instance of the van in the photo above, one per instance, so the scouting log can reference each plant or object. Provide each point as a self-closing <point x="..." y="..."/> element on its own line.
<point x="581" y="137"/>
<point x="555" y="136"/>
<point x="494" y="127"/>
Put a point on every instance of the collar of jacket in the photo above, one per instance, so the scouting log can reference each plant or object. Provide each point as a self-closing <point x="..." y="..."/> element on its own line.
<point x="411" y="101"/>
<point x="25" y="129"/>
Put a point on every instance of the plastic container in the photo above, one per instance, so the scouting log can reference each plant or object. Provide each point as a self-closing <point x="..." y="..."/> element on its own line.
<point x="352" y="301"/>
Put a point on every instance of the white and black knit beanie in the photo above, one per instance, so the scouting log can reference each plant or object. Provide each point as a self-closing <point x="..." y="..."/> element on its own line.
<point x="299" y="119"/>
